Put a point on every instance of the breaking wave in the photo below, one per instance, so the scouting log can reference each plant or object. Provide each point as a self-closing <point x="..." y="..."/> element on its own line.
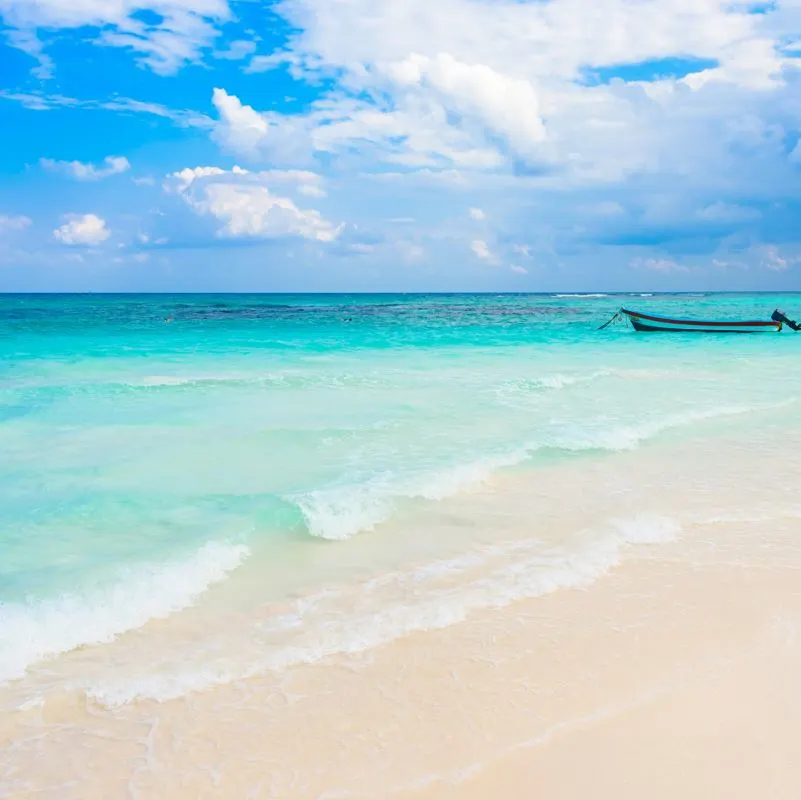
<point x="342" y="510"/>
<point x="31" y="632"/>
<point x="379" y="611"/>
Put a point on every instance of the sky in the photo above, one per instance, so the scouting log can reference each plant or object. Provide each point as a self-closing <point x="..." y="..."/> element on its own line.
<point x="400" y="145"/>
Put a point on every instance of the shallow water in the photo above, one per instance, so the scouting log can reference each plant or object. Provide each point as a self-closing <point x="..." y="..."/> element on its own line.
<point x="223" y="482"/>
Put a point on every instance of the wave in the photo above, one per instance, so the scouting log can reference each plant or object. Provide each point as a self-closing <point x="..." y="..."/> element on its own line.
<point x="581" y="295"/>
<point x="629" y="437"/>
<point x="33" y="631"/>
<point x="554" y="381"/>
<point x="343" y="510"/>
<point x="278" y="380"/>
<point x="380" y="611"/>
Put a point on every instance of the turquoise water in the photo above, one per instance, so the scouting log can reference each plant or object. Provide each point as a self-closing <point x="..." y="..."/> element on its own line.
<point x="153" y="444"/>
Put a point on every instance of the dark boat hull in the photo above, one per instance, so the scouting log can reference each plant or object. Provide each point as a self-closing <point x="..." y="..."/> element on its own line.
<point x="651" y="324"/>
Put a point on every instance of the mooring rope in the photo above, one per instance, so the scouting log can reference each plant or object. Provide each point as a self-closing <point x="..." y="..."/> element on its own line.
<point x="606" y="324"/>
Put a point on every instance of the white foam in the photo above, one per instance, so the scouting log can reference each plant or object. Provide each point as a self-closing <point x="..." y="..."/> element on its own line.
<point x="559" y="381"/>
<point x="647" y="529"/>
<point x="165" y="380"/>
<point x="344" y="510"/>
<point x="629" y="437"/>
<point x="191" y="380"/>
<point x="380" y="611"/>
<point x="581" y="295"/>
<point x="33" y="631"/>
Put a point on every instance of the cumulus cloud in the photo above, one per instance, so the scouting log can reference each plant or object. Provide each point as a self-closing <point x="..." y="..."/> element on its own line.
<point x="112" y="165"/>
<point x="302" y="181"/>
<point x="506" y="88"/>
<point x="82" y="229"/>
<point x="241" y="128"/>
<point x="13" y="223"/>
<point x="612" y="132"/>
<point x="503" y="104"/>
<point x="247" y="206"/>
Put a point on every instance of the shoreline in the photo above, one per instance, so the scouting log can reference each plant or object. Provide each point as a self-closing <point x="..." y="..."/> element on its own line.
<point x="659" y="658"/>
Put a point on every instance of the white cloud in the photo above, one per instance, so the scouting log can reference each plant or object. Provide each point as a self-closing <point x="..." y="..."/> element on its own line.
<point x="415" y="134"/>
<point x="773" y="259"/>
<point x="236" y="50"/>
<point x="186" y="177"/>
<point x="518" y="269"/>
<point x="255" y="211"/>
<point x="505" y="105"/>
<point x="728" y="264"/>
<point x="481" y="250"/>
<point x="42" y="101"/>
<point x="557" y="39"/>
<point x="241" y="128"/>
<point x="114" y="165"/>
<point x="412" y="251"/>
<point x="425" y="105"/>
<point x="82" y="229"/>
<point x="246" y="205"/>
<point x="663" y="265"/>
<point x="304" y="182"/>
<point x="477" y="214"/>
<point x="174" y="37"/>
<point x="13" y="223"/>
<point x="727" y="212"/>
<point x="361" y="248"/>
<point x="505" y="85"/>
<point x="183" y="118"/>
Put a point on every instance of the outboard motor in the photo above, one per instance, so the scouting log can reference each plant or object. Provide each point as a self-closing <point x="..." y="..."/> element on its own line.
<point x="779" y="316"/>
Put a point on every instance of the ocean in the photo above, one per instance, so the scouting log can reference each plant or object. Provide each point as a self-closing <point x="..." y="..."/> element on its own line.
<point x="197" y="490"/>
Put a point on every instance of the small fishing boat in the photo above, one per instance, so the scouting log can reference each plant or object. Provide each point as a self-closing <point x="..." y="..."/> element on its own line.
<point x="654" y="324"/>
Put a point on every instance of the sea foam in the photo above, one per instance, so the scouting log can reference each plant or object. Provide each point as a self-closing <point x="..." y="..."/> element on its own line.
<point x="32" y="631"/>
<point x="345" y="509"/>
<point x="358" y="618"/>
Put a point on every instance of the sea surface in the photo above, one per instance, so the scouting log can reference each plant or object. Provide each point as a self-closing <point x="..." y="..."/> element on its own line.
<point x="195" y="489"/>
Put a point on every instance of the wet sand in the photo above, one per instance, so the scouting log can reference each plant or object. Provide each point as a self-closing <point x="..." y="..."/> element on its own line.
<point x="674" y="675"/>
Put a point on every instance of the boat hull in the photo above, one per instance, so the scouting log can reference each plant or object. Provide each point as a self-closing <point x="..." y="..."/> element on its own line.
<point x="651" y="324"/>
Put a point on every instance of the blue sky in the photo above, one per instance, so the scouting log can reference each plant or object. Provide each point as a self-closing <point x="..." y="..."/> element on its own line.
<point x="311" y="145"/>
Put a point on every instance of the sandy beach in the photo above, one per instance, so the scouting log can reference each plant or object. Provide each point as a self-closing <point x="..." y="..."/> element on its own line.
<point x="674" y="675"/>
